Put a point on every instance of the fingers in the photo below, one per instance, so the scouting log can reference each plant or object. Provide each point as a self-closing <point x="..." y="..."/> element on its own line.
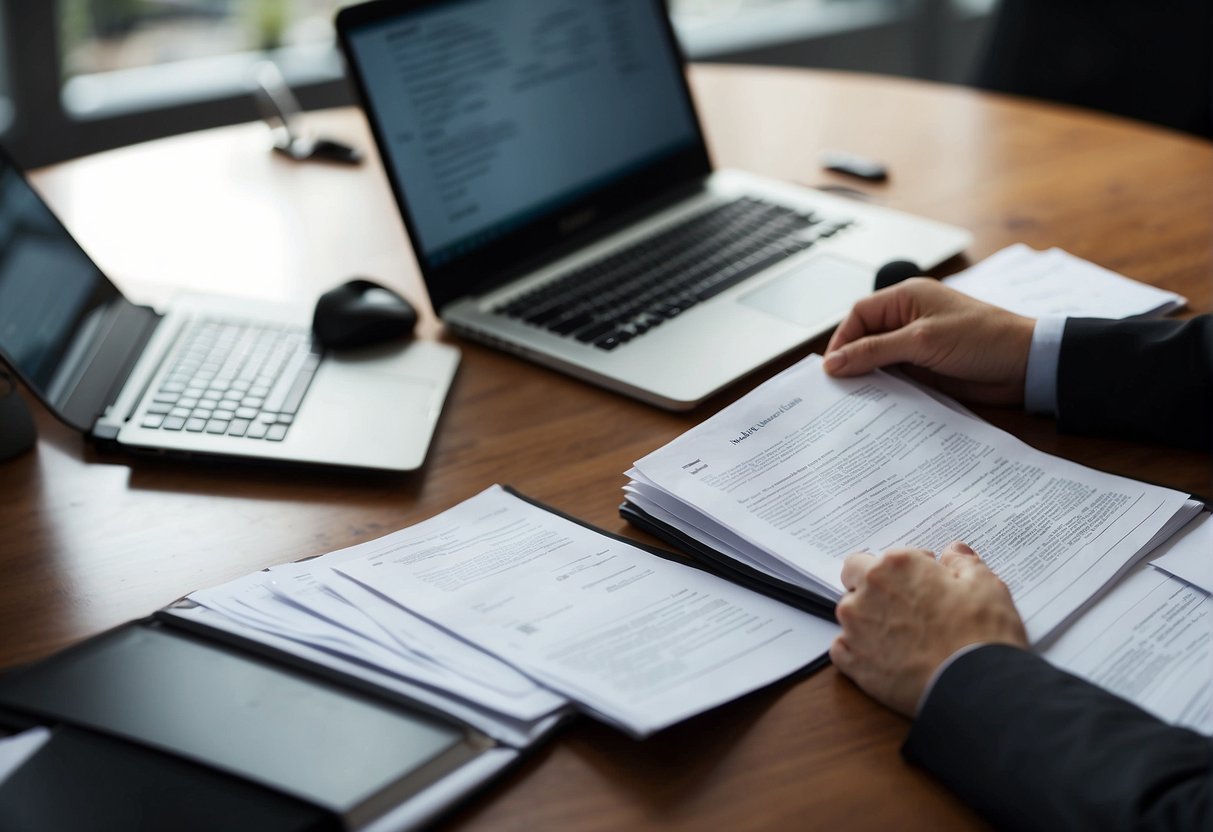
<point x="855" y="567"/>
<point x="879" y="312"/>
<point x="841" y="656"/>
<point x="958" y="557"/>
<point x="872" y="352"/>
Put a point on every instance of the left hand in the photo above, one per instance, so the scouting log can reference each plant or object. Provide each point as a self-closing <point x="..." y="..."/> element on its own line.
<point x="905" y="613"/>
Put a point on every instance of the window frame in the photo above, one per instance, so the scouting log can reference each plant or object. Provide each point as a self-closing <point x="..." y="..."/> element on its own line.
<point x="43" y="128"/>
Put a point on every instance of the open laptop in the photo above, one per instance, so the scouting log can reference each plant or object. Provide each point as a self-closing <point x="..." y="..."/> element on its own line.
<point x="556" y="187"/>
<point x="211" y="376"/>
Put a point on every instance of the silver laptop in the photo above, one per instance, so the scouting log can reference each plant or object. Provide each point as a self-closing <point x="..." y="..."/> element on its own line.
<point x="211" y="376"/>
<point x="553" y="177"/>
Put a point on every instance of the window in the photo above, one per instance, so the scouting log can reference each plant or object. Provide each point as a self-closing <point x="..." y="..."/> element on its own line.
<point x="126" y="55"/>
<point x="86" y="75"/>
<point x="79" y="76"/>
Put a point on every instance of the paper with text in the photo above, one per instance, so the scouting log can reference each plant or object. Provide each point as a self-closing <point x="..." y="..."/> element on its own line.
<point x="642" y="641"/>
<point x="1191" y="558"/>
<point x="1149" y="640"/>
<point x="1055" y="282"/>
<point x="807" y="469"/>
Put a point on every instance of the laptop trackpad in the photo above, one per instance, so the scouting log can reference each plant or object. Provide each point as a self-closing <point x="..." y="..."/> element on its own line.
<point x="815" y="294"/>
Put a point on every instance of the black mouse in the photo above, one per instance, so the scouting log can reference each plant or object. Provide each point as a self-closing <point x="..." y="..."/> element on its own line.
<point x="359" y="313"/>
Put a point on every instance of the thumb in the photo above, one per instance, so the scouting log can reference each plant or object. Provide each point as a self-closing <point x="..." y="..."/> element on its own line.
<point x="869" y="353"/>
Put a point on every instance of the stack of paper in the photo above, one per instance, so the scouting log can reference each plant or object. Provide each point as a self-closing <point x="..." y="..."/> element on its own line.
<point x="502" y="613"/>
<point x="807" y="469"/>
<point x="1150" y="639"/>
<point x="1053" y="282"/>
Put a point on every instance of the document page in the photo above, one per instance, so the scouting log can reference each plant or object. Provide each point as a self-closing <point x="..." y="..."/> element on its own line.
<point x="1191" y="560"/>
<point x="808" y="468"/>
<point x="642" y="641"/>
<point x="1149" y="640"/>
<point x="1055" y="282"/>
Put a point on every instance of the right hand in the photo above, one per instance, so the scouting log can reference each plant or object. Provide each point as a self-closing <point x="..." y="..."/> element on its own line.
<point x="906" y="613"/>
<point x="966" y="348"/>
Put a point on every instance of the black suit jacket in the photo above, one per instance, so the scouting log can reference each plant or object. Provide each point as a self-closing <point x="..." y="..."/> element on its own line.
<point x="1034" y="748"/>
<point x="1141" y="380"/>
<point x="1030" y="746"/>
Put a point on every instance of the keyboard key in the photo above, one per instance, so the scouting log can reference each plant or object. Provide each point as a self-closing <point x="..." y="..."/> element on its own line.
<point x="159" y="407"/>
<point x="276" y="433"/>
<point x="195" y="425"/>
<point x="239" y="427"/>
<point x="595" y="331"/>
<point x="173" y="423"/>
<point x="180" y="412"/>
<point x="257" y="430"/>
<point x="246" y="413"/>
<point x="217" y="425"/>
<point x="153" y="420"/>
<point x="629" y="292"/>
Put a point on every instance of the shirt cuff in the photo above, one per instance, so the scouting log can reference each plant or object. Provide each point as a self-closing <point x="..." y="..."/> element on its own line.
<point x="926" y="692"/>
<point x="1040" y="380"/>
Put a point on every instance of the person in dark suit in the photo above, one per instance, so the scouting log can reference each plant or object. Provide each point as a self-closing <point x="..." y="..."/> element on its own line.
<point x="1027" y="745"/>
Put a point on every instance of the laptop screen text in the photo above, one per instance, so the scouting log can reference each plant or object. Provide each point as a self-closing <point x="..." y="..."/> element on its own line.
<point x="494" y="114"/>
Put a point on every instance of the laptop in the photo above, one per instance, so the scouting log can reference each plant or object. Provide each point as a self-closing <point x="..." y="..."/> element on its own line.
<point x="210" y="376"/>
<point x="556" y="188"/>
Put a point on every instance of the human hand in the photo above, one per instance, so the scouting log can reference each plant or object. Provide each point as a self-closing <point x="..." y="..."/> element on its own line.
<point x="905" y="613"/>
<point x="966" y="348"/>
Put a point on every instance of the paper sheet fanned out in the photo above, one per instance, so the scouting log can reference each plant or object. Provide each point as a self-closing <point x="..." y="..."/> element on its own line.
<point x="1054" y="282"/>
<point x="1150" y="639"/>
<point x="502" y="613"/>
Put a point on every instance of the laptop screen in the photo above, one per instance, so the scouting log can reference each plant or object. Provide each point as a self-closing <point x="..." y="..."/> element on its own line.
<point x="493" y="116"/>
<point x="48" y="285"/>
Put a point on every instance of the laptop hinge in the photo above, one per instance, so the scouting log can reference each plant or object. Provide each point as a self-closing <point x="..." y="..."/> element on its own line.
<point x="590" y="236"/>
<point x="98" y="365"/>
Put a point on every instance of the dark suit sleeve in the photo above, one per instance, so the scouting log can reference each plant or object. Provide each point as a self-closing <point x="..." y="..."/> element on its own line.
<point x="1032" y="747"/>
<point x="1143" y="380"/>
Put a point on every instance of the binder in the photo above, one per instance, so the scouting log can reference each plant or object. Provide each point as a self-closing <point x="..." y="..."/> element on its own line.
<point x="158" y="725"/>
<point x="167" y="722"/>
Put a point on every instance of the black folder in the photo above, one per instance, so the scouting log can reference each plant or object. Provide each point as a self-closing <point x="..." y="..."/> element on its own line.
<point x="155" y="726"/>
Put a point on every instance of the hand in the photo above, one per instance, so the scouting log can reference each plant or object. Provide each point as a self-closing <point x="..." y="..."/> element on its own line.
<point x="905" y="613"/>
<point x="967" y="348"/>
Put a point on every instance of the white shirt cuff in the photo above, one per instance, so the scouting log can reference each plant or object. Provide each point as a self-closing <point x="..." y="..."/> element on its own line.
<point x="1040" y="380"/>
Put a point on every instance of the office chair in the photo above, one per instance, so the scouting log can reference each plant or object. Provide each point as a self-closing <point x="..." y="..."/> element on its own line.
<point x="1149" y="61"/>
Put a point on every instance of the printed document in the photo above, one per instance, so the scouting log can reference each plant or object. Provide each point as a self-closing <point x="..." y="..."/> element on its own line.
<point x="807" y="468"/>
<point x="501" y="613"/>
<point x="1055" y="282"/>
<point x="1149" y="640"/>
<point x="642" y="641"/>
<point x="1191" y="557"/>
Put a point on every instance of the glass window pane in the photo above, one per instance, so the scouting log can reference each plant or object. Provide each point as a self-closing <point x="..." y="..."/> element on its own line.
<point x="99" y="36"/>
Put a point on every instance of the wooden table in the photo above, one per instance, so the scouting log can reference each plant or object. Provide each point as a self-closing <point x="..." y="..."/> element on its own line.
<point x="88" y="541"/>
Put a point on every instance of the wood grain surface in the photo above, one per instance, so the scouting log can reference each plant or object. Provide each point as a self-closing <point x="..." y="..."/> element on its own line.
<point x="88" y="540"/>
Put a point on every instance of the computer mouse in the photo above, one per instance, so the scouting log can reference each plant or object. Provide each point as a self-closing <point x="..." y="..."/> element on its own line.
<point x="360" y="313"/>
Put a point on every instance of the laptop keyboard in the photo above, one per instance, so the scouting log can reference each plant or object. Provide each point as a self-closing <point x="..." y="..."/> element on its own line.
<point x="235" y="379"/>
<point x="623" y="296"/>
